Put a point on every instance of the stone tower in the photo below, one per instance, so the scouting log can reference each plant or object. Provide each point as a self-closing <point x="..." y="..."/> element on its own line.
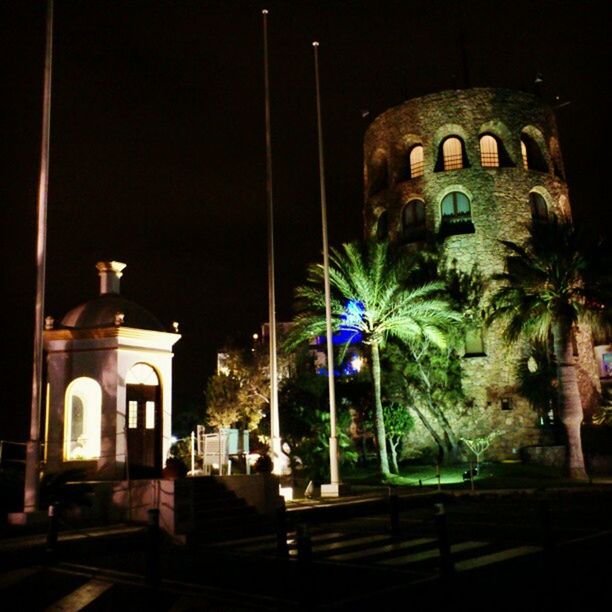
<point x="475" y="167"/>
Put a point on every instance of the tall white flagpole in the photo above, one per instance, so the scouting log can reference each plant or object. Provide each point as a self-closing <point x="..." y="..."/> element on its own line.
<point x="333" y="488"/>
<point x="32" y="473"/>
<point x="274" y="416"/>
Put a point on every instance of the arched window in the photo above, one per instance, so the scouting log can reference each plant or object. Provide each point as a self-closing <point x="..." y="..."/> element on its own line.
<point x="532" y="155"/>
<point x="382" y="227"/>
<point x="474" y="342"/>
<point x="82" y="420"/>
<point x="416" y="161"/>
<point x="378" y="173"/>
<point x="539" y="208"/>
<point x="456" y="214"/>
<point x="455" y="205"/>
<point x="524" y="155"/>
<point x="142" y="374"/>
<point x="489" y="152"/>
<point x="452" y="153"/>
<point x="413" y="221"/>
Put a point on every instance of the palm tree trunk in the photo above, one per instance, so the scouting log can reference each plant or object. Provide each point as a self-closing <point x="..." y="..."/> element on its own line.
<point x="569" y="399"/>
<point x="379" y="420"/>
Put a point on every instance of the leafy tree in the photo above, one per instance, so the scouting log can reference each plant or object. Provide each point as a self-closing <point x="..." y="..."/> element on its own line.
<point x="239" y="394"/>
<point x="398" y="423"/>
<point x="305" y="423"/>
<point x="547" y="290"/>
<point x="372" y="301"/>
<point x="222" y="408"/>
<point x="428" y="380"/>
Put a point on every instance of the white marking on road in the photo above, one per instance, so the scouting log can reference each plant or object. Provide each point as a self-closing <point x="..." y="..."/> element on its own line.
<point x="82" y="597"/>
<point x="502" y="555"/>
<point x="320" y="537"/>
<point x="431" y="554"/>
<point x="349" y="543"/>
<point x="359" y="554"/>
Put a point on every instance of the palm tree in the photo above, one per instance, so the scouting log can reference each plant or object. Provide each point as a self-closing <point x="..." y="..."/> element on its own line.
<point x="547" y="292"/>
<point x="371" y="303"/>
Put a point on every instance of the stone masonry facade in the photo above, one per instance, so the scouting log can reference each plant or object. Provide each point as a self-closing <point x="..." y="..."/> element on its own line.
<point x="500" y="208"/>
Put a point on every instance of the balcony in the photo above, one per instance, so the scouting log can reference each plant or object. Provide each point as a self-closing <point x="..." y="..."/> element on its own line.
<point x="459" y="223"/>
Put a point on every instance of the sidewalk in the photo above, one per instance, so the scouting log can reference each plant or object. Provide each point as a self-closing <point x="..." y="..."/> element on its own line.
<point x="39" y="540"/>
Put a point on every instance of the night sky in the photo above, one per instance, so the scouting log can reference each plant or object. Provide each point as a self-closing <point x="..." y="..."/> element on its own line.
<point x="158" y="150"/>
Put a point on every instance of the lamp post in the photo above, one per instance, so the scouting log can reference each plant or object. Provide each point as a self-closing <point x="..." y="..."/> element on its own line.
<point x="32" y="475"/>
<point x="333" y="488"/>
<point x="274" y="417"/>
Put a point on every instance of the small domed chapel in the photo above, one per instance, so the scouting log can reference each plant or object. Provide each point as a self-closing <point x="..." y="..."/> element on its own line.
<point x="109" y="386"/>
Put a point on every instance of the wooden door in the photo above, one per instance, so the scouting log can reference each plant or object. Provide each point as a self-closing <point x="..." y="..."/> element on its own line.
<point x="143" y="431"/>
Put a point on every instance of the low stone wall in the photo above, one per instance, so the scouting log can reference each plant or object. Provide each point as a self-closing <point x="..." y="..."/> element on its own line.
<point x="544" y="455"/>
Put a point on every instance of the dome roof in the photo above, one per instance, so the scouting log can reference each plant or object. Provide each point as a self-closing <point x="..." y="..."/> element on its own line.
<point x="101" y="312"/>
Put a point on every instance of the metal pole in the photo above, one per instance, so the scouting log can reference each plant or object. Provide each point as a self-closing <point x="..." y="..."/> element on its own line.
<point x="274" y="417"/>
<point x="333" y="439"/>
<point x="192" y="453"/>
<point x="30" y="499"/>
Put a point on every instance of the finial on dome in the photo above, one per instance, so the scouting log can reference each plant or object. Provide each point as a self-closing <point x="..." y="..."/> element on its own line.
<point x="110" y="272"/>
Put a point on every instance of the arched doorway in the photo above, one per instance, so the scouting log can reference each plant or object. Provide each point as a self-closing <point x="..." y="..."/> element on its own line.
<point x="143" y="422"/>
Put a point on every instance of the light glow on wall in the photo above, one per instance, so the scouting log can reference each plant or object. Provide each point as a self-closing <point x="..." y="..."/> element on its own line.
<point x="82" y="420"/>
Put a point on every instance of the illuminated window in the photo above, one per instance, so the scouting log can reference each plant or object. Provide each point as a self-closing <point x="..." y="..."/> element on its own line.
<point x="150" y="415"/>
<point x="452" y="153"/>
<point x="456" y="214"/>
<point x="532" y="155"/>
<point x="413" y="221"/>
<point x="455" y="205"/>
<point x="132" y="414"/>
<point x="524" y="155"/>
<point x="82" y="419"/>
<point x="489" y="153"/>
<point x="416" y="161"/>
<point x="539" y="209"/>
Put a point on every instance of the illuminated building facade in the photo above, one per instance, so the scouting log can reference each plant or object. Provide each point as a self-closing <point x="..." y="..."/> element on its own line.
<point x="475" y="167"/>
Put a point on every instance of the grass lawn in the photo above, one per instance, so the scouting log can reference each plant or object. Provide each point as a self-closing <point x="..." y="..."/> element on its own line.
<point x="492" y="475"/>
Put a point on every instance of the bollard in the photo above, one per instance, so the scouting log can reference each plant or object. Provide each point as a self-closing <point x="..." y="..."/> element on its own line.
<point x="304" y="544"/>
<point x="153" y="575"/>
<point x="394" y="512"/>
<point x="52" y="529"/>
<point x="282" y="550"/>
<point x="446" y="561"/>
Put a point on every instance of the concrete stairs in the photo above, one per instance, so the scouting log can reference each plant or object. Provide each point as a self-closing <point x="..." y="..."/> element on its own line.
<point x="207" y="511"/>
